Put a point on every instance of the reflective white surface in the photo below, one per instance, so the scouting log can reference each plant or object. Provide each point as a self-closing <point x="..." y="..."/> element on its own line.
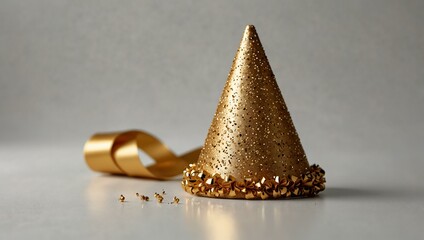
<point x="351" y="73"/>
<point x="48" y="192"/>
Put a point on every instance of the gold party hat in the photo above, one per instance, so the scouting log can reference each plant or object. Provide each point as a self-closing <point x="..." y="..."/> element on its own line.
<point x="252" y="149"/>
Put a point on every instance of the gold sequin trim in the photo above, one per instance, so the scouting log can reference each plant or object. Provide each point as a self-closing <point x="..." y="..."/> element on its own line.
<point x="201" y="183"/>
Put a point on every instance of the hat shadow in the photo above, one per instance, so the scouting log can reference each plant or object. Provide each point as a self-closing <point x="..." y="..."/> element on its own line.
<point x="367" y="193"/>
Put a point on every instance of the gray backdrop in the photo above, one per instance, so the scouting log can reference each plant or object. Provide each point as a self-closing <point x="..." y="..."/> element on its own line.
<point x="351" y="72"/>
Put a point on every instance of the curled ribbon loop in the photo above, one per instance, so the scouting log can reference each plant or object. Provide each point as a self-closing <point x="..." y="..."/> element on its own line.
<point x="118" y="153"/>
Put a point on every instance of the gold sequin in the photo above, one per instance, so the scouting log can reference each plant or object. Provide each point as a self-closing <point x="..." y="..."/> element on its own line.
<point x="158" y="197"/>
<point x="144" y="198"/>
<point x="122" y="198"/>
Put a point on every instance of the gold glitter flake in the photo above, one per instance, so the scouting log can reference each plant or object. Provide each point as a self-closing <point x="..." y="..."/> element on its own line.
<point x="144" y="198"/>
<point x="176" y="200"/>
<point x="122" y="198"/>
<point x="158" y="197"/>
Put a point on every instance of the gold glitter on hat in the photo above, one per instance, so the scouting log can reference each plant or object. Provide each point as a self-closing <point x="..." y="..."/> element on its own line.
<point x="252" y="149"/>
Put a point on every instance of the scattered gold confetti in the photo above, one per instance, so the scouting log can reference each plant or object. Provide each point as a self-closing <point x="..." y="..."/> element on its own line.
<point x="176" y="200"/>
<point x="122" y="198"/>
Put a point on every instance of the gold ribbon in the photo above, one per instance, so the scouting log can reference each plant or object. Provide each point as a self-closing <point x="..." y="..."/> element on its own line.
<point x="118" y="153"/>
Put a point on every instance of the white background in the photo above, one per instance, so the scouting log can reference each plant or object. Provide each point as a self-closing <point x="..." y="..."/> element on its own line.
<point x="351" y="72"/>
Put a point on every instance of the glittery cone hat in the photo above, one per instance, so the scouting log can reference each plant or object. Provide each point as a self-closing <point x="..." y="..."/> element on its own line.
<point x="252" y="149"/>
